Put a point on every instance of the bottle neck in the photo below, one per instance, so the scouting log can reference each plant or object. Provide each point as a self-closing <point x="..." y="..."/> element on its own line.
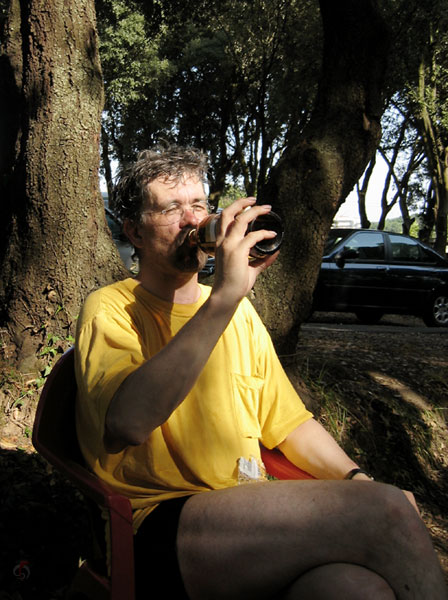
<point x="192" y="237"/>
<point x="204" y="235"/>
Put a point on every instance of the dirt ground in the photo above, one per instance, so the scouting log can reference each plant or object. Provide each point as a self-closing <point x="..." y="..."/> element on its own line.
<point x="384" y="395"/>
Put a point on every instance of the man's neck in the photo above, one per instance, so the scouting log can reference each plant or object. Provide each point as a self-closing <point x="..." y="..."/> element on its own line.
<point x="183" y="289"/>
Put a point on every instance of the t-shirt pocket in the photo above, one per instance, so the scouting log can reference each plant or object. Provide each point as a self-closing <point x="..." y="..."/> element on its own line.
<point x="246" y="396"/>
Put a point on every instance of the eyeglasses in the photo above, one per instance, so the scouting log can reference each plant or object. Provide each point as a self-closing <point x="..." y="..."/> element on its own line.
<point x="174" y="212"/>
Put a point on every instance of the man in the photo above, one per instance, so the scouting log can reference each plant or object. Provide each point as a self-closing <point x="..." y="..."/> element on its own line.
<point x="178" y="384"/>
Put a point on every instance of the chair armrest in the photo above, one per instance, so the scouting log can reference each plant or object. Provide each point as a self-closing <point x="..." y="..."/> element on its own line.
<point x="277" y="465"/>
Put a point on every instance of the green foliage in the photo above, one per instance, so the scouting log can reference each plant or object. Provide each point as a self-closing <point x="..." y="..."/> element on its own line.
<point x="129" y="56"/>
<point x="218" y="75"/>
<point x="19" y="392"/>
<point x="54" y="346"/>
<point x="395" y="225"/>
<point x="239" y="78"/>
<point x="230" y="194"/>
<point x="4" y="4"/>
<point x="415" y="123"/>
<point x="133" y="73"/>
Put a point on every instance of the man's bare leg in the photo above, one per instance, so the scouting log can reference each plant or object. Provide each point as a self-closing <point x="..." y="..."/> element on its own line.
<point x="339" y="581"/>
<point x="257" y="540"/>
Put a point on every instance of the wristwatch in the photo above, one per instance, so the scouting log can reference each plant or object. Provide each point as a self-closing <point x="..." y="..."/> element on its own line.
<point x="354" y="472"/>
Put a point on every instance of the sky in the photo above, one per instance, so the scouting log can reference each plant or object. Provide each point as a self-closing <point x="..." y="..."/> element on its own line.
<point x="349" y="210"/>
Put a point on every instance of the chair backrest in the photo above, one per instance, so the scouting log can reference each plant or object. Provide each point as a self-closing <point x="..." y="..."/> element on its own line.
<point x="54" y="432"/>
<point x="54" y="437"/>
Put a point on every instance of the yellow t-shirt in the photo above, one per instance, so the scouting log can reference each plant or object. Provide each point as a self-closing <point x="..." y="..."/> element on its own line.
<point x="241" y="397"/>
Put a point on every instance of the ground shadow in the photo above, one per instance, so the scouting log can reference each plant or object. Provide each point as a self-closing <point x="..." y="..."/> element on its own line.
<point x="44" y="528"/>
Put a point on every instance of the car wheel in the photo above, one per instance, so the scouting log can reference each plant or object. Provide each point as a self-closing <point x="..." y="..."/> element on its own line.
<point x="369" y="316"/>
<point x="437" y="314"/>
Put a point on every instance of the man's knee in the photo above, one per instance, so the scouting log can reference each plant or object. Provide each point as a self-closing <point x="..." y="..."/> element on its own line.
<point x="398" y="511"/>
<point x="340" y="581"/>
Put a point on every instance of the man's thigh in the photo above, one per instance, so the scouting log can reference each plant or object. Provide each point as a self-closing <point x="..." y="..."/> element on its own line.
<point x="255" y="540"/>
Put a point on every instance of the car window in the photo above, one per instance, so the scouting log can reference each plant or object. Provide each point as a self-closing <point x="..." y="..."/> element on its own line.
<point x="369" y="245"/>
<point x="332" y="241"/>
<point x="408" y="250"/>
<point x="404" y="249"/>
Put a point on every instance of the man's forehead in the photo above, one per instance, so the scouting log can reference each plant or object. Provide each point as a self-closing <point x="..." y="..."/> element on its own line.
<point x="166" y="185"/>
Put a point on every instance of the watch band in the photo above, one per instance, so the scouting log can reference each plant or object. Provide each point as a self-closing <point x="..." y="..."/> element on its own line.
<point x="354" y="472"/>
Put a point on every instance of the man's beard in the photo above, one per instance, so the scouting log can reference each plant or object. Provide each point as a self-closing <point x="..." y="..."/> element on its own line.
<point x="189" y="258"/>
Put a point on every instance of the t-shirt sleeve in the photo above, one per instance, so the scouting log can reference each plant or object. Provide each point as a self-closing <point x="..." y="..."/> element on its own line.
<point x="108" y="349"/>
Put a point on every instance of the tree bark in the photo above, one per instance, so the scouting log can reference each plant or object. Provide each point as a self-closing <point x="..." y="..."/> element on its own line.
<point x="436" y="149"/>
<point x="55" y="245"/>
<point x="316" y="173"/>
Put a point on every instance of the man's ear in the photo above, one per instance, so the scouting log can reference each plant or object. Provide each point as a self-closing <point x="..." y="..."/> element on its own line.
<point x="132" y="231"/>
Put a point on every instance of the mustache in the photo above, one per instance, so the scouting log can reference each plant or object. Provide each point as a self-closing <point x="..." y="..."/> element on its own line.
<point x="184" y="234"/>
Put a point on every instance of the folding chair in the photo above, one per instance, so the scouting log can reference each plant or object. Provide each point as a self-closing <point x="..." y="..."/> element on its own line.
<point x="54" y="437"/>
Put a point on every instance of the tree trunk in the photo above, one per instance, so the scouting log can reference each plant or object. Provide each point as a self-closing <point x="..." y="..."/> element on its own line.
<point x="440" y="243"/>
<point x="362" y="193"/>
<point x="407" y="219"/>
<point x="436" y="150"/>
<point x="107" y="166"/>
<point x="316" y="173"/>
<point x="55" y="245"/>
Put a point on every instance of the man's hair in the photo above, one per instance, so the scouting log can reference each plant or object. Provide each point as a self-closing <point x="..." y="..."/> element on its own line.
<point x="170" y="162"/>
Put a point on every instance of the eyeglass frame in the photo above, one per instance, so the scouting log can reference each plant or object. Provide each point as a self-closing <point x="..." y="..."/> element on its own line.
<point x="199" y="205"/>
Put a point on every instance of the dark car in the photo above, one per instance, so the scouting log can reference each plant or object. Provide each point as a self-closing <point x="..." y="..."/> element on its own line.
<point x="124" y="247"/>
<point x="371" y="273"/>
<point x="209" y="267"/>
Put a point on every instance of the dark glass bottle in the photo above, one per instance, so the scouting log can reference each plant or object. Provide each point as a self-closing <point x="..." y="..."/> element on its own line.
<point x="205" y="234"/>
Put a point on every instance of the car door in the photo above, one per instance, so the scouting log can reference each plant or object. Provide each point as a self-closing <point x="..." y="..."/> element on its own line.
<point x="413" y="273"/>
<point x="354" y="274"/>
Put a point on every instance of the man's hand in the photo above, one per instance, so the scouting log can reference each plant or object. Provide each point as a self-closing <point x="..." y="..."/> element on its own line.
<point x="235" y="274"/>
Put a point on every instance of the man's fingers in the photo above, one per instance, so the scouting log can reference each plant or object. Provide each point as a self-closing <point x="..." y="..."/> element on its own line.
<point x="235" y="209"/>
<point x="239" y="214"/>
<point x="263" y="263"/>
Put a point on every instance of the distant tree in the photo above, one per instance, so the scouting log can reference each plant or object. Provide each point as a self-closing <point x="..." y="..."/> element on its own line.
<point x="133" y="75"/>
<point x="54" y="242"/>
<point x="401" y="150"/>
<point x="361" y="189"/>
<point x="432" y="99"/>
<point x="417" y="84"/>
<point x="220" y="75"/>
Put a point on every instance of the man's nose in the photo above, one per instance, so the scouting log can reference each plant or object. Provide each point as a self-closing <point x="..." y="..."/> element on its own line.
<point x="189" y="217"/>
